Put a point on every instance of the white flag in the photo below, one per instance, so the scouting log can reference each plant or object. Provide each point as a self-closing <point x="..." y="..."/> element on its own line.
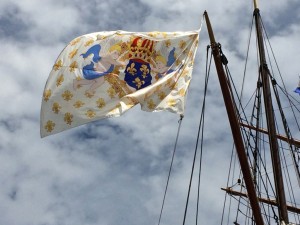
<point x="104" y="74"/>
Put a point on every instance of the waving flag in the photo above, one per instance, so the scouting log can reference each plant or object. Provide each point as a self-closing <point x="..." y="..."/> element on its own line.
<point x="297" y="90"/>
<point x="104" y="74"/>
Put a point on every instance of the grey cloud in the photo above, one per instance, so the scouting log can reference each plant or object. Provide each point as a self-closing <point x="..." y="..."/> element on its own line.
<point x="14" y="23"/>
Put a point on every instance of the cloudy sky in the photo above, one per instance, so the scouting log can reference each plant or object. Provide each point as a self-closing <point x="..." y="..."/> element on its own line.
<point x="114" y="171"/>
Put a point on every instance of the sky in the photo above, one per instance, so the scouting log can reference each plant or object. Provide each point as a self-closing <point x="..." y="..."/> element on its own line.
<point x="114" y="171"/>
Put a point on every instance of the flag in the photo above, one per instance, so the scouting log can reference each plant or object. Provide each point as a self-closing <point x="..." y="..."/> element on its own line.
<point x="297" y="90"/>
<point x="103" y="74"/>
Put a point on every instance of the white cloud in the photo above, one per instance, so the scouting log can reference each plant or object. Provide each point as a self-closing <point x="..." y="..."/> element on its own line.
<point x="114" y="171"/>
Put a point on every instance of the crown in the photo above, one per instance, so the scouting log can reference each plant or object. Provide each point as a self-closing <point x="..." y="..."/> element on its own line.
<point x="141" y="49"/>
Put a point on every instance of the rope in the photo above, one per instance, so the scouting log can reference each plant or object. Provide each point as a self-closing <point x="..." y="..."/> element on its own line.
<point x="202" y="131"/>
<point x="175" y="147"/>
<point x="197" y="142"/>
<point x="233" y="90"/>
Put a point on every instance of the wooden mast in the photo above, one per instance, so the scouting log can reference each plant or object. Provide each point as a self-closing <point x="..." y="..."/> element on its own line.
<point x="264" y="71"/>
<point x="235" y="127"/>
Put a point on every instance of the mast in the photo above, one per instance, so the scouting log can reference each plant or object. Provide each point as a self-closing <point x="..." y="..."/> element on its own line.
<point x="264" y="71"/>
<point x="235" y="128"/>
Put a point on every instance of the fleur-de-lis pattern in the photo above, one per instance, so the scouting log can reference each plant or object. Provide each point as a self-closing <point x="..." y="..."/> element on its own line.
<point x="56" y="107"/>
<point x="144" y="70"/>
<point x="138" y="82"/>
<point x="156" y="84"/>
<point x="58" y="65"/>
<point x="73" y="66"/>
<point x="49" y="127"/>
<point x="78" y="104"/>
<point x="68" y="118"/>
<point x="100" y="103"/>
<point x="89" y="42"/>
<point x="73" y="53"/>
<point x="67" y="95"/>
<point x="59" y="80"/>
<point x="132" y="70"/>
<point x="151" y="104"/>
<point x="47" y="95"/>
<point x="90" y="114"/>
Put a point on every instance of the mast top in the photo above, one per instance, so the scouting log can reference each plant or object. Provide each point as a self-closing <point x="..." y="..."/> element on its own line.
<point x="255" y="4"/>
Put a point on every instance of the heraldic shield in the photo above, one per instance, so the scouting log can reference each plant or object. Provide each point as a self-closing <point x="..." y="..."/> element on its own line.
<point x="138" y="70"/>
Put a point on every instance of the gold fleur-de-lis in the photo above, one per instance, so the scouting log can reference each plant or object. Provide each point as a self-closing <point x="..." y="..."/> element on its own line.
<point x="56" y="107"/>
<point x="49" y="127"/>
<point x="57" y="65"/>
<point x="161" y="95"/>
<point x="78" y="104"/>
<point x="151" y="104"/>
<point x="100" y="103"/>
<point x="73" y="66"/>
<point x="75" y="41"/>
<point x="73" y="53"/>
<point x="68" y="118"/>
<point x="47" y="95"/>
<point x="154" y="34"/>
<point x="164" y="34"/>
<point x="168" y="43"/>
<point x="138" y="82"/>
<point x="111" y="92"/>
<point x="89" y="94"/>
<point x="59" y="80"/>
<point x="170" y="83"/>
<point x="172" y="102"/>
<point x="90" y="114"/>
<point x="89" y="42"/>
<point x="185" y="73"/>
<point x="157" y="89"/>
<point x="144" y="69"/>
<point x="67" y="95"/>
<point x="101" y="37"/>
<point x="182" y="44"/>
<point x="182" y="92"/>
<point x="131" y="69"/>
<point x="185" y="52"/>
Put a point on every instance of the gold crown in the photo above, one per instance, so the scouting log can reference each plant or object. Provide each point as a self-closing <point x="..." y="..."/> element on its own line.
<point x="141" y="49"/>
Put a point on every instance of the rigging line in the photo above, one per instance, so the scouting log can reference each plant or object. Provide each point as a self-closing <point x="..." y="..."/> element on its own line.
<point x="247" y="56"/>
<point x="288" y="181"/>
<point x="287" y="131"/>
<point x="253" y="153"/>
<point x="196" y="147"/>
<point x="296" y="167"/>
<point x="175" y="147"/>
<point x="263" y="183"/>
<point x="263" y="167"/>
<point x="292" y="105"/>
<point x="202" y="131"/>
<point x="278" y="68"/>
<point x="229" y="75"/>
<point x="229" y="78"/>
<point x="291" y="102"/>
<point x="232" y="160"/>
